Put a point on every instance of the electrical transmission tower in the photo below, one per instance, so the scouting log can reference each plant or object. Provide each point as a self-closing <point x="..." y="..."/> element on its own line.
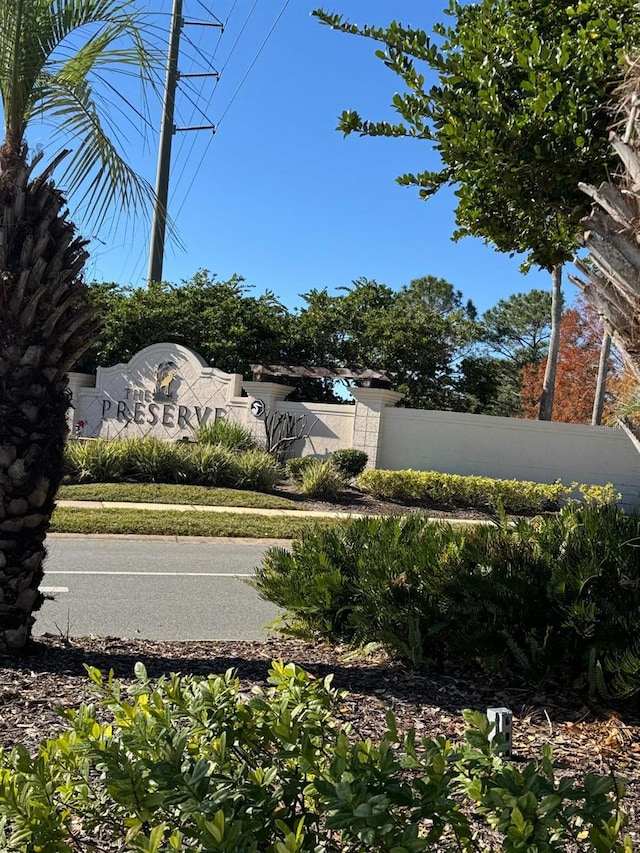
<point x="168" y="128"/>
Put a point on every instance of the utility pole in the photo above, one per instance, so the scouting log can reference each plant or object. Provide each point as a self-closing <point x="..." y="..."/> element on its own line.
<point x="168" y="128"/>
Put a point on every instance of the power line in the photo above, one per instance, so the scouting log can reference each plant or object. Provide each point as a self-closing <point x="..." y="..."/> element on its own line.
<point x="239" y="36"/>
<point x="197" y="93"/>
<point x="235" y="94"/>
<point x="255" y="59"/>
<point x="209" y="12"/>
<point x="191" y="91"/>
<point x="208" y="104"/>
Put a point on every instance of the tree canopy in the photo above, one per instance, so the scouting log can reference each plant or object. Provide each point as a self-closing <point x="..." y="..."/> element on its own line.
<point x="576" y="381"/>
<point x="513" y="96"/>
<point x="221" y="320"/>
<point x="418" y="333"/>
<point x="515" y="332"/>
<point x="424" y="333"/>
<point x="518" y="328"/>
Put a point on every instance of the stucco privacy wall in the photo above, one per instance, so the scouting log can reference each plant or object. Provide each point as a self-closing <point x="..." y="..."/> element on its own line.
<point x="166" y="390"/>
<point x="330" y="427"/>
<point x="509" y="448"/>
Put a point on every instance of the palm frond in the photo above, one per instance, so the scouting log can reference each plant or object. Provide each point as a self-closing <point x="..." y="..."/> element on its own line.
<point x="96" y="174"/>
<point x="59" y="50"/>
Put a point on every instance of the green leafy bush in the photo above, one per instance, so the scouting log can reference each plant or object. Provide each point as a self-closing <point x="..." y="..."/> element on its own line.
<point x="515" y="496"/>
<point x="228" y="434"/>
<point x="349" y="461"/>
<point x="210" y="465"/>
<point x="294" y="467"/>
<point x="256" y="469"/>
<point x="191" y="764"/>
<point x="599" y="495"/>
<point x="556" y="599"/>
<point x="150" y="460"/>
<point x="90" y="460"/>
<point x="321" y="480"/>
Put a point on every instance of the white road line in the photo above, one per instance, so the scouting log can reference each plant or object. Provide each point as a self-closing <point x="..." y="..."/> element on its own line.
<point x="160" y="574"/>
<point x="54" y="589"/>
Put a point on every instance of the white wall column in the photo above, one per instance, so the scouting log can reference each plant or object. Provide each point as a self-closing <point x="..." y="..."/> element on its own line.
<point x="370" y="405"/>
<point x="78" y="381"/>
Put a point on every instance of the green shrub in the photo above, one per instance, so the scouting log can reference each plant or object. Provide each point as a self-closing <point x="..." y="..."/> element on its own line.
<point x="366" y="580"/>
<point x="599" y="495"/>
<point x="515" y="496"/>
<point x="210" y="465"/>
<point x="349" y="461"/>
<point x="321" y="480"/>
<point x="555" y="599"/>
<point x="255" y="469"/>
<point x="228" y="434"/>
<point x="294" y="467"/>
<point x="151" y="460"/>
<point x="94" y="461"/>
<point x="190" y="764"/>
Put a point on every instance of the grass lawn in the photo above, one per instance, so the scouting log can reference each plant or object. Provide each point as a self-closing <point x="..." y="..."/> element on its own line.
<point x="168" y="494"/>
<point x="170" y="523"/>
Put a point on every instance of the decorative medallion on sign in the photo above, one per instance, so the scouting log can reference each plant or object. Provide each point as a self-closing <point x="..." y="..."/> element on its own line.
<point x="257" y="408"/>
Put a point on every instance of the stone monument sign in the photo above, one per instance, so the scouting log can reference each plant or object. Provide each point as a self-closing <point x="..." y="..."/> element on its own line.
<point x="166" y="390"/>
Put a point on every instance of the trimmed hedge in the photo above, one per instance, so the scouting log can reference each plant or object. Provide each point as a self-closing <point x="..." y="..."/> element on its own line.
<point x="556" y="599"/>
<point x="515" y="496"/>
<point x="349" y="461"/>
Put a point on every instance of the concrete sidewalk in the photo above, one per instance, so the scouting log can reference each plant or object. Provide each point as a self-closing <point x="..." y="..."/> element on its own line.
<point x="239" y="510"/>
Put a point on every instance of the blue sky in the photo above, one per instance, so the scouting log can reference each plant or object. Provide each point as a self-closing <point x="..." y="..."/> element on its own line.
<point x="277" y="195"/>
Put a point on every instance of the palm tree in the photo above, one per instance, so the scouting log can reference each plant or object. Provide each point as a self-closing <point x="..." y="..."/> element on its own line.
<point x="611" y="276"/>
<point x="52" y="52"/>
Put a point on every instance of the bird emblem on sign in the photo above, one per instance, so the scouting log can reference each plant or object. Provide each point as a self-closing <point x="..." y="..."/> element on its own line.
<point x="166" y="374"/>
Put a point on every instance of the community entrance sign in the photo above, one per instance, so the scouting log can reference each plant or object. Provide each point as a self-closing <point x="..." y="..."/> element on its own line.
<point x="165" y="390"/>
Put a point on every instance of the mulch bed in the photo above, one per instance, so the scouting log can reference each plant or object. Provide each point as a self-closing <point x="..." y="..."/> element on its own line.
<point x="584" y="739"/>
<point x="352" y="500"/>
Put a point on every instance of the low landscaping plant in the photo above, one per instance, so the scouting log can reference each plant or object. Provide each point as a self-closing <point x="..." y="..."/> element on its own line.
<point x="192" y="764"/>
<point x="349" y="461"/>
<point x="227" y="434"/>
<point x="210" y="465"/>
<point x="555" y="600"/>
<point x="321" y="480"/>
<point x="294" y="467"/>
<point x="256" y="469"/>
<point x="94" y="461"/>
<point x="515" y="496"/>
<point x="150" y="460"/>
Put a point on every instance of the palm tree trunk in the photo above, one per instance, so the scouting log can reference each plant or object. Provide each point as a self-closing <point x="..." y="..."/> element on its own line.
<point x="601" y="384"/>
<point x="45" y="324"/>
<point x="548" y="384"/>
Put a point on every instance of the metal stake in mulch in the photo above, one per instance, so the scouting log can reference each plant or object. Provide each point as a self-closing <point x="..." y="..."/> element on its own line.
<point x="503" y="719"/>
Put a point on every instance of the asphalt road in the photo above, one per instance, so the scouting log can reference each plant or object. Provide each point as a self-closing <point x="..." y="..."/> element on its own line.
<point x="154" y="589"/>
